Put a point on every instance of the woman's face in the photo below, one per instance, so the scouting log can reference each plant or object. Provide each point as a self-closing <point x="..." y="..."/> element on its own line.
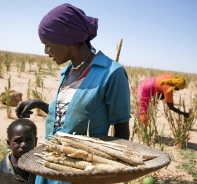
<point x="59" y="52"/>
<point x="22" y="140"/>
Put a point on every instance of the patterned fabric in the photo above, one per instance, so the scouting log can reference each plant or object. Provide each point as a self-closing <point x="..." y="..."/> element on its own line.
<point x="64" y="97"/>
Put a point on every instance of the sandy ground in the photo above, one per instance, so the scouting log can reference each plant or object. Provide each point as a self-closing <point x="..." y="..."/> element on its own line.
<point x="19" y="83"/>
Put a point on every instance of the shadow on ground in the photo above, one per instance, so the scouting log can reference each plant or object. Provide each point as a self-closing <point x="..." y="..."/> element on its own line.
<point x="168" y="141"/>
<point x="174" y="180"/>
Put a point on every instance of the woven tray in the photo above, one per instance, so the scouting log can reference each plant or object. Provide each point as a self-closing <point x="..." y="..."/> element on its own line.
<point x="28" y="163"/>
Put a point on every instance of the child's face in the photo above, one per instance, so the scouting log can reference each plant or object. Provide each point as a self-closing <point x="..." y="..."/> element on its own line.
<point x="22" y="140"/>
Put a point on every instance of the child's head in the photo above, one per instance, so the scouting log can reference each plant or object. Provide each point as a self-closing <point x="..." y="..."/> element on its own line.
<point x="21" y="136"/>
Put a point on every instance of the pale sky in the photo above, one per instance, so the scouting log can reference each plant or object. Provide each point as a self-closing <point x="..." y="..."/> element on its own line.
<point x="160" y="34"/>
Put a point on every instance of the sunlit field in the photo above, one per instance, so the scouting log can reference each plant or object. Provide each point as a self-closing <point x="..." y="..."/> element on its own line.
<point x="37" y="77"/>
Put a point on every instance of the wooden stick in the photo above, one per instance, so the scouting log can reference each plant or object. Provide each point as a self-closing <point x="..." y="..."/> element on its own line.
<point x="118" y="50"/>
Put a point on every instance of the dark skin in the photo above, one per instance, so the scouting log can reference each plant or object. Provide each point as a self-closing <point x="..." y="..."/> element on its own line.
<point x="122" y="130"/>
<point x="61" y="54"/>
<point x="22" y="140"/>
<point x="171" y="105"/>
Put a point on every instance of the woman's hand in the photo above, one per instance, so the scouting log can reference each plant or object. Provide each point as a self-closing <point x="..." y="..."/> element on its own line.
<point x="171" y="107"/>
<point x="186" y="114"/>
<point x="23" y="110"/>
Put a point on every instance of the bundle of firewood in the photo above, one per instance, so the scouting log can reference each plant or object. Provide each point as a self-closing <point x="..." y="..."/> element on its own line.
<point x="74" y="153"/>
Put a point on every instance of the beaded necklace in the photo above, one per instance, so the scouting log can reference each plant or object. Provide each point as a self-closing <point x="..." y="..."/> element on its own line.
<point x="65" y="81"/>
<point x="77" y="67"/>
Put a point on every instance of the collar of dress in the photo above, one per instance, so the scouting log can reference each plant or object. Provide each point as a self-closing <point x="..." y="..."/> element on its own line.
<point x="104" y="62"/>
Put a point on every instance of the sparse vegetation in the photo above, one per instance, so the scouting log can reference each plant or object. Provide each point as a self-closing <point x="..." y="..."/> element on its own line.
<point x="3" y="149"/>
<point x="179" y="125"/>
<point x="188" y="162"/>
<point x="39" y="68"/>
<point x="7" y="98"/>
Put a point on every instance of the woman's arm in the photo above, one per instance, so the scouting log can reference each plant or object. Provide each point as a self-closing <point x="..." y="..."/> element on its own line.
<point x="171" y="107"/>
<point x="24" y="107"/>
<point x="117" y="98"/>
<point x="122" y="130"/>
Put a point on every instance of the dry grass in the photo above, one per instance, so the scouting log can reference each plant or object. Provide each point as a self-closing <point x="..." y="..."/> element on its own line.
<point x="41" y="67"/>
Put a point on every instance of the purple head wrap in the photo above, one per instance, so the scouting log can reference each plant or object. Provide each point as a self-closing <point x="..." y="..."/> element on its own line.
<point x="68" y="25"/>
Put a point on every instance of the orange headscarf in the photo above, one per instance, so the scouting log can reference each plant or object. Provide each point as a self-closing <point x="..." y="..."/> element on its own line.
<point x="175" y="82"/>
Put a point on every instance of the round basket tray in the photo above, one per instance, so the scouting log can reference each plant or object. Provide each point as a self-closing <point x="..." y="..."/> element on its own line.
<point x="28" y="163"/>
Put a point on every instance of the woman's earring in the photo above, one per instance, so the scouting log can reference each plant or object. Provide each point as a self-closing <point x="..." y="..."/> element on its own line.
<point x="46" y="49"/>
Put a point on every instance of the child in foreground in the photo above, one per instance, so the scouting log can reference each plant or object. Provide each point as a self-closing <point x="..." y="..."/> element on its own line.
<point x="21" y="138"/>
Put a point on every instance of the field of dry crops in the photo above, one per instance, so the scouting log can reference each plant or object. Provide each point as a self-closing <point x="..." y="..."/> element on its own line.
<point x="37" y="77"/>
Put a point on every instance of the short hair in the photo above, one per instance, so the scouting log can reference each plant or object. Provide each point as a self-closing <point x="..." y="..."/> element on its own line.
<point x="23" y="122"/>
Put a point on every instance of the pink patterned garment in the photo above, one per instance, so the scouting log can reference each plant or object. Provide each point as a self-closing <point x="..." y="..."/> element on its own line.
<point x="145" y="91"/>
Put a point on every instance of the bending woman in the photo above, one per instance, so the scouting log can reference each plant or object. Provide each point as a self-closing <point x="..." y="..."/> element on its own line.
<point x="163" y="86"/>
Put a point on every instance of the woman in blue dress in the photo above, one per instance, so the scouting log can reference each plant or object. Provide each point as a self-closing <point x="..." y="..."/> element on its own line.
<point x="93" y="88"/>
